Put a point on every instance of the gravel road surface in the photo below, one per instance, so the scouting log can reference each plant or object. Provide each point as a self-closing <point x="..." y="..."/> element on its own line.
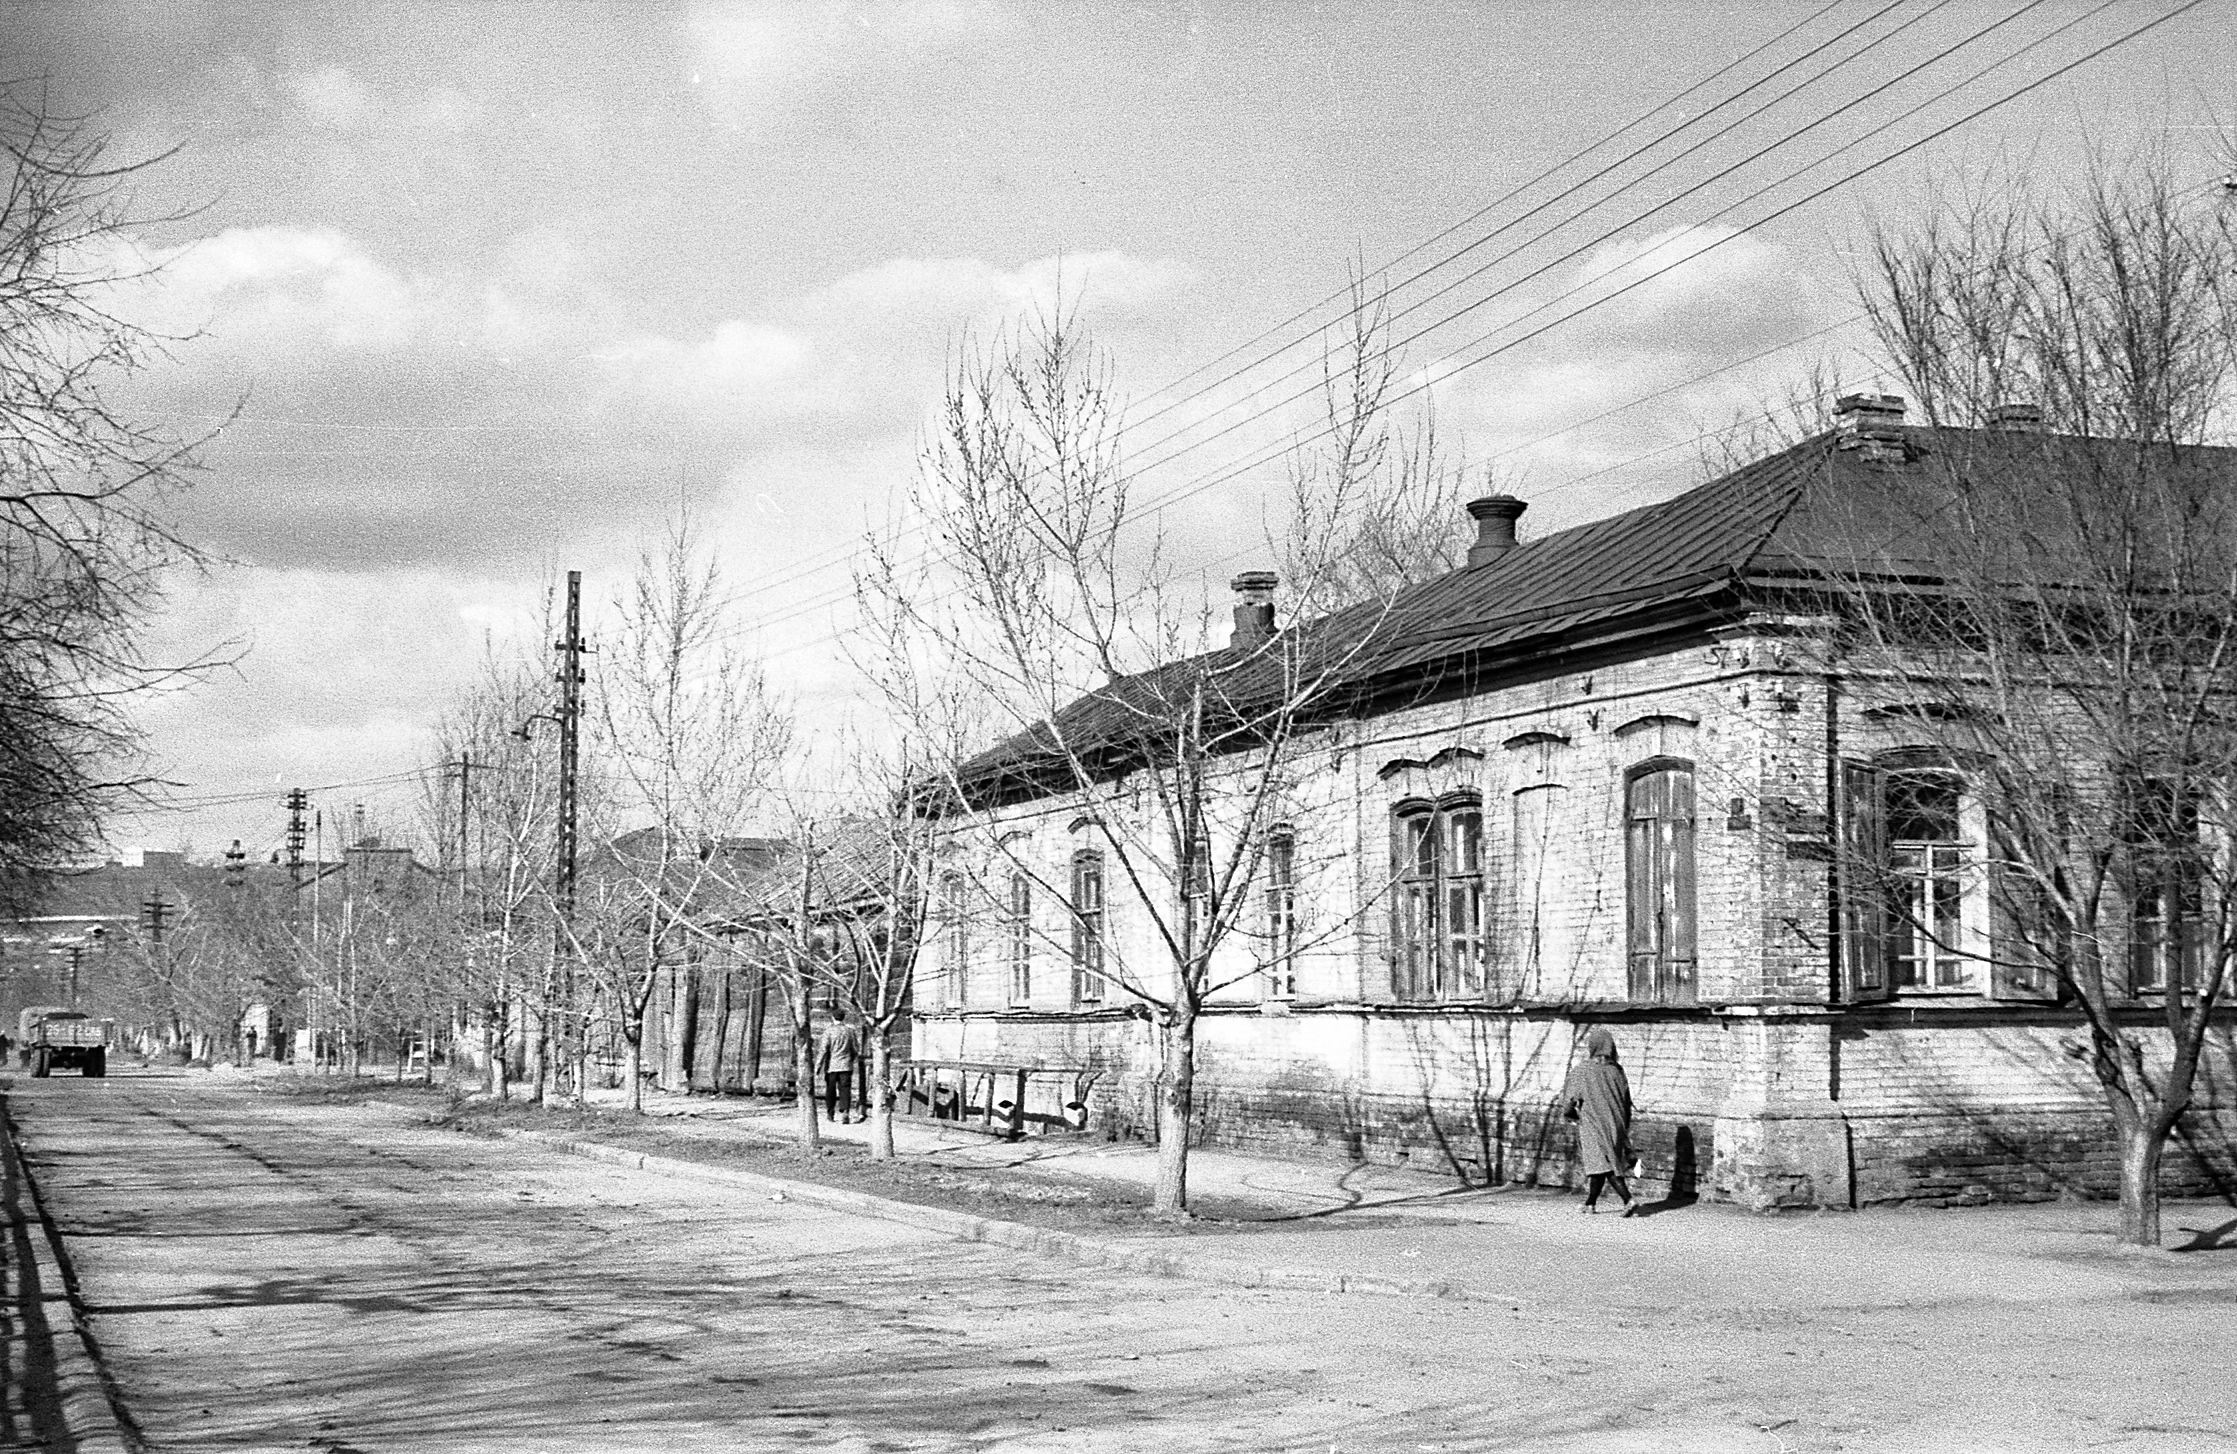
<point x="268" y="1273"/>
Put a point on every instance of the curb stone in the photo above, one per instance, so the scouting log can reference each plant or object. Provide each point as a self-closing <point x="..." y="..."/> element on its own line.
<point x="1047" y="1242"/>
<point x="82" y="1394"/>
<point x="966" y="1227"/>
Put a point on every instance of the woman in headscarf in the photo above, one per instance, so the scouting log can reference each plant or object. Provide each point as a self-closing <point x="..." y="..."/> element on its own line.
<point x="1598" y="1098"/>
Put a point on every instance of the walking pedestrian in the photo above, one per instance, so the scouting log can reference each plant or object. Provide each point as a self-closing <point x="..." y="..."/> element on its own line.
<point x="1598" y="1098"/>
<point x="837" y="1050"/>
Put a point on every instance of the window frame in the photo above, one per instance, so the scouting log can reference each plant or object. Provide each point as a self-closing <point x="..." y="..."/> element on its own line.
<point x="1941" y="881"/>
<point x="1020" y="931"/>
<point x="1280" y="904"/>
<point x="1666" y="874"/>
<point x="1090" y="926"/>
<point x="2164" y="838"/>
<point x="1875" y="926"/>
<point x="956" y="937"/>
<point x="1431" y="962"/>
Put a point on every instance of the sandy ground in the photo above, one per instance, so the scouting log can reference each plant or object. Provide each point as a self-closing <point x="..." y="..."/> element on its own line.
<point x="273" y="1274"/>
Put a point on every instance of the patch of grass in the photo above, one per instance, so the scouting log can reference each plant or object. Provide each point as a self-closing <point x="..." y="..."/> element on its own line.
<point x="346" y="1088"/>
<point x="1011" y="1193"/>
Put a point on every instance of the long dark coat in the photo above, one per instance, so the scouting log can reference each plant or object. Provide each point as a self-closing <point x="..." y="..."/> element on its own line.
<point x="1597" y="1097"/>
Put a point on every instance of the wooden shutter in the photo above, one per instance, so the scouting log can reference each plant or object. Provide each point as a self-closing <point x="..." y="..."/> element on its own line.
<point x="1863" y="867"/>
<point x="1639" y="898"/>
<point x="1678" y="951"/>
<point x="1658" y="888"/>
<point x="2020" y="923"/>
<point x="1413" y="902"/>
<point x="1401" y="884"/>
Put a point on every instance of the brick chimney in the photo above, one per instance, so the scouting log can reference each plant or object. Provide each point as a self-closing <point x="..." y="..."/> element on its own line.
<point x="2016" y="417"/>
<point x="1870" y="424"/>
<point x="1495" y="517"/>
<point x="1254" y="608"/>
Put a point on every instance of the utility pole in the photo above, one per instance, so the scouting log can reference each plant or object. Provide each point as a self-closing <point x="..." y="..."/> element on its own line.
<point x="570" y="732"/>
<point x="570" y="728"/>
<point x="466" y="767"/>
<point x="155" y="910"/>
<point x="298" y="801"/>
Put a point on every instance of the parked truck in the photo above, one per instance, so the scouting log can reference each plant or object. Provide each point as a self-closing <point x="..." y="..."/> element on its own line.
<point x="66" y="1039"/>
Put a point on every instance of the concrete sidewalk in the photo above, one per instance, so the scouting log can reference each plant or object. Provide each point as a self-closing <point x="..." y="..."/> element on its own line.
<point x="1325" y="1222"/>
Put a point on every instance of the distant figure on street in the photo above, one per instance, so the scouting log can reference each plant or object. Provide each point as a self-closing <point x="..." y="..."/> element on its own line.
<point x="1598" y="1099"/>
<point x="837" y="1049"/>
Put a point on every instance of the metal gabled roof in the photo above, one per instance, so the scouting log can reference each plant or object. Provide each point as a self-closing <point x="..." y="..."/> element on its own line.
<point x="1808" y="512"/>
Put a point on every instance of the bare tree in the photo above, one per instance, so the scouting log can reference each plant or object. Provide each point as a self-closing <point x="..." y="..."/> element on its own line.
<point x="2053" y="602"/>
<point x="1374" y="502"/>
<point x="691" y="736"/>
<point x="85" y="537"/>
<point x="508" y="842"/>
<point x="1177" y="758"/>
<point x="1792" y="413"/>
<point x="854" y="908"/>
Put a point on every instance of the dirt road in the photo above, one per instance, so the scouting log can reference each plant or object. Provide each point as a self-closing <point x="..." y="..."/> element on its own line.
<point x="264" y="1273"/>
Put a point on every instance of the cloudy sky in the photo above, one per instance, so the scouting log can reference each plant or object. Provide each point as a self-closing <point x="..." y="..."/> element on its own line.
<point x="488" y="290"/>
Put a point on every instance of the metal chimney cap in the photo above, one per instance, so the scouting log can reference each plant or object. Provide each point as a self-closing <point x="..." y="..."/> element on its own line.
<point x="1497" y="507"/>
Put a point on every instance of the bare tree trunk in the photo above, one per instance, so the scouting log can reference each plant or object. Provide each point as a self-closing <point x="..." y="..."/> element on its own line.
<point x="539" y="1053"/>
<point x="582" y="1059"/>
<point x="881" y="1096"/>
<point x="804" y="1077"/>
<point x="632" y="1071"/>
<point x="722" y="1030"/>
<point x="683" y="1005"/>
<point x="757" y="1017"/>
<point x="1176" y="1110"/>
<point x="501" y="1050"/>
<point x="2142" y="1147"/>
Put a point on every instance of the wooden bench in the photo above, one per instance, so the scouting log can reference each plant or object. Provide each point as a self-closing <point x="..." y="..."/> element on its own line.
<point x="995" y="1097"/>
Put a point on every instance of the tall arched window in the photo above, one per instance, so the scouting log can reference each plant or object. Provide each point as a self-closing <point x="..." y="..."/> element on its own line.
<point x="956" y="921"/>
<point x="1021" y="938"/>
<point x="1088" y="915"/>
<point x="2165" y="862"/>
<point x="1281" y="913"/>
<point x="1928" y="858"/>
<point x="1437" y="899"/>
<point x="1658" y="865"/>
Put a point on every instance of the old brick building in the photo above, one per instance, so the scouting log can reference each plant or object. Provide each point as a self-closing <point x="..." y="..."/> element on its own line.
<point x="1598" y="778"/>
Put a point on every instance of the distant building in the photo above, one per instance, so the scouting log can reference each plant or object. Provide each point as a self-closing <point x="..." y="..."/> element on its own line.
<point x="83" y="917"/>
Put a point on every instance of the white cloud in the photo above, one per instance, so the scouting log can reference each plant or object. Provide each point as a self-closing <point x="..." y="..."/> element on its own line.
<point x="970" y="290"/>
<point x="870" y="341"/>
<point x="1705" y="290"/>
<point x="280" y="287"/>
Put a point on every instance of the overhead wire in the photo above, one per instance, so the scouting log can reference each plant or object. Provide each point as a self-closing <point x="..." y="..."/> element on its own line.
<point x="1202" y="484"/>
<point x="1158" y="501"/>
<point x="1441" y="371"/>
<point x="1195" y="487"/>
<point x="840" y="553"/>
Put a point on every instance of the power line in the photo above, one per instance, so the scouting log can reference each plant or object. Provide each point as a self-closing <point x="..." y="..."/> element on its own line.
<point x="1173" y="495"/>
<point x="278" y="796"/>
<point x="1204" y="483"/>
<point x="1397" y="345"/>
<point x="838" y="554"/>
<point x="1220" y="475"/>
